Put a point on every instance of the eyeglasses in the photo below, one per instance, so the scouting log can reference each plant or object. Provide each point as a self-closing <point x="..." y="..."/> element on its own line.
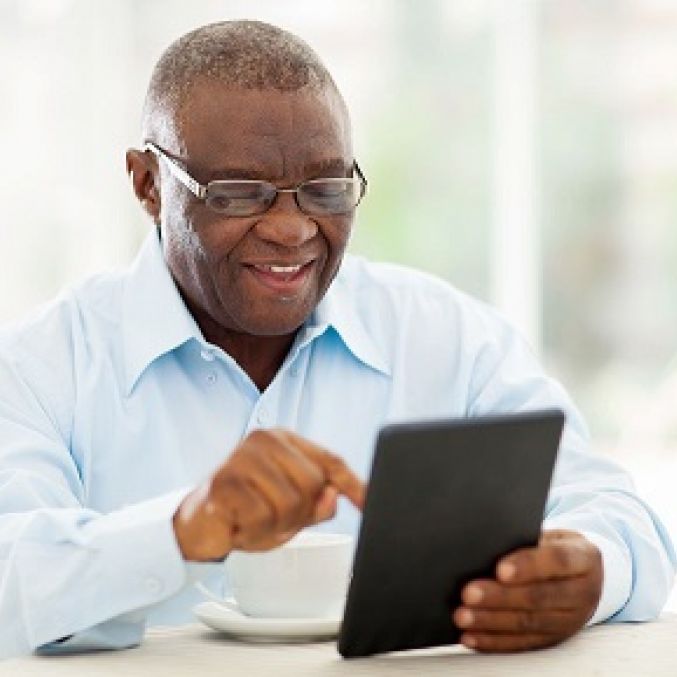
<point x="316" y="197"/>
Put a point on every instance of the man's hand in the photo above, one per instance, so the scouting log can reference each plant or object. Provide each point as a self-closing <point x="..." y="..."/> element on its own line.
<point x="540" y="597"/>
<point x="273" y="485"/>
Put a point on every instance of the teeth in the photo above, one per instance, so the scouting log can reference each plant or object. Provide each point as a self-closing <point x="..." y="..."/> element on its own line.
<point x="283" y="269"/>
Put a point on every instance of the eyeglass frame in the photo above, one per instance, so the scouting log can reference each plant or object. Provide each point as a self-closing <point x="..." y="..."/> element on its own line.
<point x="200" y="190"/>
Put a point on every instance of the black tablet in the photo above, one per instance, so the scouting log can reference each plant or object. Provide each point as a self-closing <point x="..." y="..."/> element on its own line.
<point x="446" y="499"/>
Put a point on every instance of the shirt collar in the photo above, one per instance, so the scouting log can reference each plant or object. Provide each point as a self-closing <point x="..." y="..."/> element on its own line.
<point x="338" y="310"/>
<point x="156" y="320"/>
<point x="155" y="317"/>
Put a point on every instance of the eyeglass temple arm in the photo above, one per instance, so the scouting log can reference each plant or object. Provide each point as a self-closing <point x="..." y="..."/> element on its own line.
<point x="186" y="179"/>
<point x="359" y="173"/>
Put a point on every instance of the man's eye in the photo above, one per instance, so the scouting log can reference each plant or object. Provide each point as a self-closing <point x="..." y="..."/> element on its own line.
<point x="326" y="190"/>
<point x="219" y="202"/>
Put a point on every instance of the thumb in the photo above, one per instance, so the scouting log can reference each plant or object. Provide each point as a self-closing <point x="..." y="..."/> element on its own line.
<point x="325" y="508"/>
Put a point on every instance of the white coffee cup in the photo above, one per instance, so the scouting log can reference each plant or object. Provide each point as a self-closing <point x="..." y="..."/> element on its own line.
<point x="305" y="578"/>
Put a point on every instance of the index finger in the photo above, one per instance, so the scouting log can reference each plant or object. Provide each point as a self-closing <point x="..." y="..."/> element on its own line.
<point x="547" y="561"/>
<point x="336" y="470"/>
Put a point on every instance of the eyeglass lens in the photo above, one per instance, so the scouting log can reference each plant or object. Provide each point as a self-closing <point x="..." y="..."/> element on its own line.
<point x="319" y="196"/>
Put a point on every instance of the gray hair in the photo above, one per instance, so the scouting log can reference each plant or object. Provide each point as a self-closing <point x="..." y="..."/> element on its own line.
<point x="242" y="54"/>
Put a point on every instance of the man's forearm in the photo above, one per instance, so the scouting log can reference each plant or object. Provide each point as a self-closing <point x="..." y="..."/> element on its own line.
<point x="70" y="573"/>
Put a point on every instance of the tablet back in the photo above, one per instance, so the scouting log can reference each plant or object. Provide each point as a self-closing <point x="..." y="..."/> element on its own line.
<point x="445" y="501"/>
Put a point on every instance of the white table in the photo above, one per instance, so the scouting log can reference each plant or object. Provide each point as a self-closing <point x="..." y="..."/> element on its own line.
<point x="638" y="650"/>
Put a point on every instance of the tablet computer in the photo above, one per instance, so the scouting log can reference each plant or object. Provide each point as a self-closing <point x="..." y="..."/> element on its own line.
<point x="446" y="500"/>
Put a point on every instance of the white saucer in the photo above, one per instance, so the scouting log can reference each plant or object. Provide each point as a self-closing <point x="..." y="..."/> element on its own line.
<point x="233" y="622"/>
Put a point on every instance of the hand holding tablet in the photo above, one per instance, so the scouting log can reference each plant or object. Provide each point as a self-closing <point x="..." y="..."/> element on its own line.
<point x="539" y="597"/>
<point x="446" y="501"/>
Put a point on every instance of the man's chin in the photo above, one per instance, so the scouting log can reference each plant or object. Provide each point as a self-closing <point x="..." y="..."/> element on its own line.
<point x="275" y="324"/>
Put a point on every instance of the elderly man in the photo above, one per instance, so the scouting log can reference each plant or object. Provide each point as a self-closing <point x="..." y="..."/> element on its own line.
<point x="226" y="390"/>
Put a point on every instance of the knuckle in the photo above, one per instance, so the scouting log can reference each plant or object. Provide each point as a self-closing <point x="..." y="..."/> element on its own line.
<point x="527" y="622"/>
<point x="592" y="594"/>
<point x="313" y="483"/>
<point x="257" y="517"/>
<point x="308" y="476"/>
<point x="334" y="464"/>
<point x="561" y="557"/>
<point x="290" y="505"/>
<point x="536" y="596"/>
<point x="225" y="485"/>
<point x="492" y="592"/>
<point x="314" y="471"/>
<point x="524" y="561"/>
<point x="239" y="461"/>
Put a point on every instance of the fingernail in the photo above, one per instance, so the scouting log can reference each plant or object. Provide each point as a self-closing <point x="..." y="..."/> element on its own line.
<point x="469" y="640"/>
<point x="506" y="571"/>
<point x="473" y="595"/>
<point x="464" y="617"/>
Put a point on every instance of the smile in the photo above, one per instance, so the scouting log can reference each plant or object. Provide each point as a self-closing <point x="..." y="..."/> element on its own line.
<point x="284" y="270"/>
<point x="283" y="279"/>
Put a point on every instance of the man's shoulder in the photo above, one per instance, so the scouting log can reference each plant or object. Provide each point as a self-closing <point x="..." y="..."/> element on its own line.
<point x="410" y="312"/>
<point x="42" y="353"/>
<point x="406" y="291"/>
<point x="53" y="327"/>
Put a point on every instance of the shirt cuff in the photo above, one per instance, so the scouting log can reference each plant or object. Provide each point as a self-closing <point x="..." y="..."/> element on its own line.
<point x="133" y="556"/>
<point x="140" y="539"/>
<point x="617" y="577"/>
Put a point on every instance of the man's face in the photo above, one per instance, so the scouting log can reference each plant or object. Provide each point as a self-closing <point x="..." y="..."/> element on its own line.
<point x="223" y="264"/>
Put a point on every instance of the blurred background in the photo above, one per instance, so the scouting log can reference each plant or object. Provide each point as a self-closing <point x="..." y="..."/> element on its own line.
<point x="524" y="150"/>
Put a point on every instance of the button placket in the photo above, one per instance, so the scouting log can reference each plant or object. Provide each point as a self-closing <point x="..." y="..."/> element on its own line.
<point x="208" y="356"/>
<point x="298" y="362"/>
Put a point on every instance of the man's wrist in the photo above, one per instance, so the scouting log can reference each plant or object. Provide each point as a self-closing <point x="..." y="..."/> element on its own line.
<point x="616" y="569"/>
<point x="194" y="528"/>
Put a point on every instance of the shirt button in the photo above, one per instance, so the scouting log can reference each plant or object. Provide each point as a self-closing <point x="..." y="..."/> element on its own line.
<point x="207" y="355"/>
<point x="211" y="378"/>
<point x="294" y="371"/>
<point x="262" y="416"/>
<point x="153" y="586"/>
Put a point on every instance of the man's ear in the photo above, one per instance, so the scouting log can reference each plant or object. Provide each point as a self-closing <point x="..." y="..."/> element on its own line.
<point x="143" y="170"/>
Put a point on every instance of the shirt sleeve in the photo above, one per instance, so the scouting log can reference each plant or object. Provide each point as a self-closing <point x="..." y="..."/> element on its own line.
<point x="71" y="578"/>
<point x="590" y="493"/>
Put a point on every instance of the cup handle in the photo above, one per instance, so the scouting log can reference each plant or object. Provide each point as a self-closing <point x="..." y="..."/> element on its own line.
<point x="215" y="598"/>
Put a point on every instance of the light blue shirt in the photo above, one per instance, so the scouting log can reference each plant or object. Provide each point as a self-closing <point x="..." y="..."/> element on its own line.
<point x="112" y="405"/>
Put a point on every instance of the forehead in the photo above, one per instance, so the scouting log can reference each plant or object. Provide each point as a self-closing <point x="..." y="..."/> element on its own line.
<point x="269" y="130"/>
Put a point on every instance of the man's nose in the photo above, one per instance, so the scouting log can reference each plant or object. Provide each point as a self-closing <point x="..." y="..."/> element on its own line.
<point x="285" y="224"/>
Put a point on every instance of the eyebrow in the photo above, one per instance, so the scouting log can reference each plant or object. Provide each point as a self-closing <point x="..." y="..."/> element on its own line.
<point x="331" y="166"/>
<point x="322" y="169"/>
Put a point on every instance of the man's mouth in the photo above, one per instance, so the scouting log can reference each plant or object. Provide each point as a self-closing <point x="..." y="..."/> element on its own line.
<point x="282" y="278"/>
